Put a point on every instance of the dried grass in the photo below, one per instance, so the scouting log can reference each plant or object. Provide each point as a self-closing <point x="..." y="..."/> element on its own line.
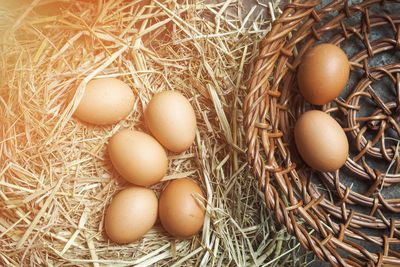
<point x="55" y="177"/>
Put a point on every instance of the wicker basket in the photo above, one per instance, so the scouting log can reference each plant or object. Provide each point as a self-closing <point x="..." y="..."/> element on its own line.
<point x="350" y="217"/>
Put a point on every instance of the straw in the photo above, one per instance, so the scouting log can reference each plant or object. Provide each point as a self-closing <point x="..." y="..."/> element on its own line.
<point x="56" y="179"/>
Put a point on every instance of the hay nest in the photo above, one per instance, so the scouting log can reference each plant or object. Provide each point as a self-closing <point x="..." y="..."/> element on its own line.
<point x="56" y="179"/>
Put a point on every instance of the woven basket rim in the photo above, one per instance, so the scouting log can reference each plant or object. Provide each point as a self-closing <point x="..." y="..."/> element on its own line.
<point x="278" y="176"/>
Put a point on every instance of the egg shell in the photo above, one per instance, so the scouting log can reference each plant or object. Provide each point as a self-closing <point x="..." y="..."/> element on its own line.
<point x="105" y="101"/>
<point x="323" y="73"/>
<point x="138" y="157"/>
<point x="321" y="141"/>
<point x="180" y="213"/>
<point x="131" y="214"/>
<point x="171" y="120"/>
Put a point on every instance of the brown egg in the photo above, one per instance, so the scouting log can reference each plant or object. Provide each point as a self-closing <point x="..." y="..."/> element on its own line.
<point x="131" y="214"/>
<point x="138" y="157"/>
<point x="180" y="213"/>
<point x="323" y="74"/>
<point x="105" y="101"/>
<point x="321" y="141"/>
<point x="172" y="121"/>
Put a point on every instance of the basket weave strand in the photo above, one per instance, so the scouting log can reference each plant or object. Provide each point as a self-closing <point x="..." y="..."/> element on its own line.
<point x="347" y="226"/>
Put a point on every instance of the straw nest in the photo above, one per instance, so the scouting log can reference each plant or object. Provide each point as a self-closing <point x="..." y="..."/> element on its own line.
<point x="56" y="179"/>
